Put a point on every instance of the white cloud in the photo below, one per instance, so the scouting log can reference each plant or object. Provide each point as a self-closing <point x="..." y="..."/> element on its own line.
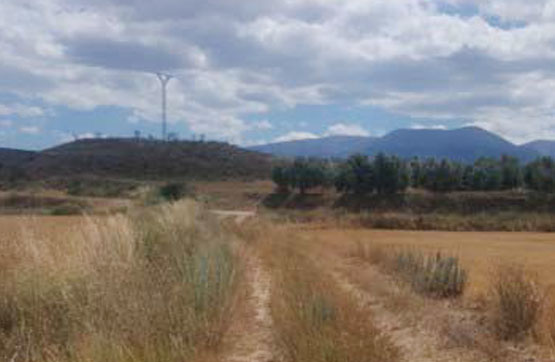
<point x="262" y="125"/>
<point x="295" y="136"/>
<point x="6" y="123"/>
<point x="343" y="129"/>
<point x="426" y="126"/>
<point x="32" y="130"/>
<point x="239" y="58"/>
<point x="21" y="110"/>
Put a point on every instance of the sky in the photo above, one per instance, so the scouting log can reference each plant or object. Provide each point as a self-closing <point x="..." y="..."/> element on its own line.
<point x="251" y="72"/>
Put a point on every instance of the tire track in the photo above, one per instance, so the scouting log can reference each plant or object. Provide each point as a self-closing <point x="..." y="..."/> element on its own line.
<point x="251" y="337"/>
<point x="417" y="344"/>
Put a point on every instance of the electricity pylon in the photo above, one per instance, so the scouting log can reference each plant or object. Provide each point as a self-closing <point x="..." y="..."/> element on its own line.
<point x="164" y="79"/>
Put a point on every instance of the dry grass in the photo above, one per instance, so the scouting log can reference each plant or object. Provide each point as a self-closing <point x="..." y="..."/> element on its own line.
<point x="234" y="195"/>
<point x="314" y="320"/>
<point x="431" y="274"/>
<point x="523" y="221"/>
<point x="477" y="251"/>
<point x="152" y="287"/>
<point x="516" y="302"/>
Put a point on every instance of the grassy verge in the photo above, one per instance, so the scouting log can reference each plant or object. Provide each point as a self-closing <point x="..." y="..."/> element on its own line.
<point x="314" y="320"/>
<point x="150" y="287"/>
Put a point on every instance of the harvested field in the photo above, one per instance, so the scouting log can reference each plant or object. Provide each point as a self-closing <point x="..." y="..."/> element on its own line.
<point x="479" y="252"/>
<point x="302" y="290"/>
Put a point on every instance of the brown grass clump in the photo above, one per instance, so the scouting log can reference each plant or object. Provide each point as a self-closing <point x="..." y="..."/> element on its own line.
<point x="313" y="319"/>
<point x="516" y="302"/>
<point x="151" y="287"/>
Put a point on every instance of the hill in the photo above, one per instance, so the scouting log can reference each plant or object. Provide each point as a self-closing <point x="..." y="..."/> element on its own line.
<point x="10" y="157"/>
<point x="464" y="144"/>
<point x="142" y="160"/>
<point x="334" y="146"/>
<point x="543" y="147"/>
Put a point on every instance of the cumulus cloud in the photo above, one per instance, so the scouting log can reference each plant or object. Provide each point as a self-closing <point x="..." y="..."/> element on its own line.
<point x="489" y="62"/>
<point x="296" y="136"/>
<point x="424" y="126"/>
<point x="262" y="125"/>
<point x="343" y="129"/>
<point x="21" y="110"/>
<point x="6" y="123"/>
<point x="31" y="130"/>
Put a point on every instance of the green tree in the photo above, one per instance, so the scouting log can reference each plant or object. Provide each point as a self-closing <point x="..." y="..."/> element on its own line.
<point x="540" y="175"/>
<point x="511" y="173"/>
<point x="309" y="173"/>
<point x="356" y="176"/>
<point x="390" y="174"/>
<point x="281" y="175"/>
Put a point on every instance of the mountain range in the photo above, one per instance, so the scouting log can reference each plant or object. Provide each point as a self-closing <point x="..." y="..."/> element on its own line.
<point x="464" y="144"/>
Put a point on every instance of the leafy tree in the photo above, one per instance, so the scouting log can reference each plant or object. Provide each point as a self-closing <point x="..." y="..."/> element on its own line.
<point x="511" y="173"/>
<point x="540" y="175"/>
<point x="390" y="174"/>
<point x="281" y="175"/>
<point x="356" y="176"/>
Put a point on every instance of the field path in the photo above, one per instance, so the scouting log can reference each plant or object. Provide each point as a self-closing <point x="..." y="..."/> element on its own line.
<point x="436" y="332"/>
<point x="240" y="216"/>
<point x="417" y="333"/>
<point x="250" y="337"/>
<point x="251" y="333"/>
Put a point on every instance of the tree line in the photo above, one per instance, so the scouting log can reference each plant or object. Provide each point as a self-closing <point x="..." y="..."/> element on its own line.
<point x="385" y="174"/>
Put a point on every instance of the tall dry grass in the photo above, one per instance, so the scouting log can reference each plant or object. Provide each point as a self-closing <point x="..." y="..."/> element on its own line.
<point x="432" y="274"/>
<point x="517" y="302"/>
<point x="154" y="286"/>
<point x="314" y="320"/>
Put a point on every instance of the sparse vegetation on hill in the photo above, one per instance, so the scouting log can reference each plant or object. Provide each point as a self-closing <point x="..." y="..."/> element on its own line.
<point x="131" y="159"/>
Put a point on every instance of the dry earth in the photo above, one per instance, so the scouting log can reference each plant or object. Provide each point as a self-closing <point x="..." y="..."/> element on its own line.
<point x="250" y="338"/>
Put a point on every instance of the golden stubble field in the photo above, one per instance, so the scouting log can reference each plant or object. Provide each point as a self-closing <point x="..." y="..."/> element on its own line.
<point x="14" y="226"/>
<point x="291" y="261"/>
<point x="480" y="252"/>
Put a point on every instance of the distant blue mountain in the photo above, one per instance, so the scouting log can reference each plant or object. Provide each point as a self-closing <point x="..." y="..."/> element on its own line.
<point x="543" y="147"/>
<point x="465" y="144"/>
<point x="329" y="147"/>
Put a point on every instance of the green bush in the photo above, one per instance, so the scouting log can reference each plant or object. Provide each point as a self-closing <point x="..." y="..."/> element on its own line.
<point x="67" y="209"/>
<point x="173" y="191"/>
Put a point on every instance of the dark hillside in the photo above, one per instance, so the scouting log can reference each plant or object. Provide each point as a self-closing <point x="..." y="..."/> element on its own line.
<point x="11" y="157"/>
<point x="146" y="160"/>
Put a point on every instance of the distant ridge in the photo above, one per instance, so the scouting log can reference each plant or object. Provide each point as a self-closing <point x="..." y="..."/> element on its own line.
<point x="464" y="144"/>
<point x="333" y="146"/>
<point x="139" y="159"/>
<point x="544" y="147"/>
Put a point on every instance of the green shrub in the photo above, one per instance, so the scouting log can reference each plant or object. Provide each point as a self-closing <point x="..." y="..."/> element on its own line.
<point x="67" y="209"/>
<point x="173" y="191"/>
